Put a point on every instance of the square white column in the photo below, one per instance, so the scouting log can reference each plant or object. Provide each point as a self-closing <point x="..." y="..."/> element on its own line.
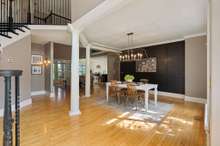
<point x="88" y="86"/>
<point x="52" y="92"/>
<point x="74" y="101"/>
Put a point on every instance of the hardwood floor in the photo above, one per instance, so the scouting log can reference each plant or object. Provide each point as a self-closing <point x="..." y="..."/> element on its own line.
<point x="47" y="123"/>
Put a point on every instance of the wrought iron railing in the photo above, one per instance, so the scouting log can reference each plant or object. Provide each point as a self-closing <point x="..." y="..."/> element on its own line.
<point x="17" y="14"/>
<point x="51" y="12"/>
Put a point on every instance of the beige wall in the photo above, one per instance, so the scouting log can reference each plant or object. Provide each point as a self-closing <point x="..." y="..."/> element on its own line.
<point x="196" y="67"/>
<point x="20" y="55"/>
<point x="215" y="72"/>
<point x="38" y="81"/>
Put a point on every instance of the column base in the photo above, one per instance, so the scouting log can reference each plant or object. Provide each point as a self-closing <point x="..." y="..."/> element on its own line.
<point x="52" y="95"/>
<point x="87" y="96"/>
<point x="74" y="113"/>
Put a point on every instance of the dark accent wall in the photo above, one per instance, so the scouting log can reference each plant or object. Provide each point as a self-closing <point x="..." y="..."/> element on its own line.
<point x="170" y="75"/>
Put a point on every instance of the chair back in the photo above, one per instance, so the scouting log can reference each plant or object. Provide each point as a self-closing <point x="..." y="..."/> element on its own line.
<point x="145" y="81"/>
<point x="131" y="90"/>
<point x="113" y="88"/>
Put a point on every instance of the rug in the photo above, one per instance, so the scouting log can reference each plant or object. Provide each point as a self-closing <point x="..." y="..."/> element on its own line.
<point x="154" y="113"/>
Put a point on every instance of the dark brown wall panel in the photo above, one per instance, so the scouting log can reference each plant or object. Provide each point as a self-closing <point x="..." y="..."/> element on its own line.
<point x="170" y="73"/>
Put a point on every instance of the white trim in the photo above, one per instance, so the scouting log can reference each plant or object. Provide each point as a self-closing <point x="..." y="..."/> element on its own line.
<point x="36" y="93"/>
<point x="168" y="94"/>
<point x="166" y="42"/>
<point x="106" y="46"/>
<point x="48" y="27"/>
<point x="52" y="95"/>
<point x="23" y="104"/>
<point x="100" y="11"/>
<point x="195" y="99"/>
<point x="195" y="35"/>
<point x="181" y="96"/>
<point x="71" y="113"/>
<point x="154" y="44"/>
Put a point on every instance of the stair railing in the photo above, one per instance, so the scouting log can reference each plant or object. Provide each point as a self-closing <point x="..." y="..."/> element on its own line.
<point x="8" y="119"/>
<point x="11" y="17"/>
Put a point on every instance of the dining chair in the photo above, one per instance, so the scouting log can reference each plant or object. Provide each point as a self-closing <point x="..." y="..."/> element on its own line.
<point x="132" y="94"/>
<point x="145" y="81"/>
<point x="114" y="90"/>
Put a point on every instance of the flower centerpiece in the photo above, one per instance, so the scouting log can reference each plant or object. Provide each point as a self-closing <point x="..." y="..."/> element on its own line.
<point x="129" y="78"/>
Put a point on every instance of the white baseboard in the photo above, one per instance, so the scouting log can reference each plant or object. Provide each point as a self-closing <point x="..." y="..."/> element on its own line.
<point x="181" y="96"/>
<point x="195" y="99"/>
<point x="36" y="93"/>
<point x="168" y="94"/>
<point x="72" y="113"/>
<point x="23" y="103"/>
<point x="173" y="95"/>
<point x="52" y="95"/>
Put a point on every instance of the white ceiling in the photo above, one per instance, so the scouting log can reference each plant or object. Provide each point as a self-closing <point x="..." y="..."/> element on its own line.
<point x="43" y="36"/>
<point x="152" y="21"/>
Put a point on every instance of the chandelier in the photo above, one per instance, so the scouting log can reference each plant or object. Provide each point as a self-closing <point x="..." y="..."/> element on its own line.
<point x="131" y="55"/>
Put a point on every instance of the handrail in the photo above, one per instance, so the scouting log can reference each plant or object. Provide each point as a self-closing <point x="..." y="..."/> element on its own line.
<point x="15" y="16"/>
<point x="45" y="19"/>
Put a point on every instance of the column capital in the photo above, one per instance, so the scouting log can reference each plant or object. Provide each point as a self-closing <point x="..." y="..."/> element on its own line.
<point x="88" y="46"/>
<point x="72" y="29"/>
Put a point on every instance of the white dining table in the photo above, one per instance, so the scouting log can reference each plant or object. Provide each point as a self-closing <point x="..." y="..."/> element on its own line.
<point x="142" y="87"/>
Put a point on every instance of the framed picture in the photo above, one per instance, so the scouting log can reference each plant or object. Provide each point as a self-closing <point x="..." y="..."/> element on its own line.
<point x="36" y="59"/>
<point x="147" y="65"/>
<point x="36" y="70"/>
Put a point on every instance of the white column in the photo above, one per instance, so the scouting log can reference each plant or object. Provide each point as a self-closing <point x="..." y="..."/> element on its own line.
<point x="52" y="94"/>
<point x="87" y="89"/>
<point x="74" y="101"/>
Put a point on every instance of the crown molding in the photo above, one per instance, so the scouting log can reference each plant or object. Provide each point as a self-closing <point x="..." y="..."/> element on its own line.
<point x="154" y="44"/>
<point x="195" y="35"/>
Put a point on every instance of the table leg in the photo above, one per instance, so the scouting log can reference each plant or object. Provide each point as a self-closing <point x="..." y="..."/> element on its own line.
<point x="107" y="91"/>
<point x="146" y="99"/>
<point x="155" y="96"/>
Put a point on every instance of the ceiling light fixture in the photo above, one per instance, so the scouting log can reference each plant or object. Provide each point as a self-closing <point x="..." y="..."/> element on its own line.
<point x="131" y="55"/>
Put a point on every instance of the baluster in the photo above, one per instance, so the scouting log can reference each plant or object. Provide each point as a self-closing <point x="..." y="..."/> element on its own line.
<point x="7" y="114"/>
<point x="17" y="112"/>
<point x="8" y="121"/>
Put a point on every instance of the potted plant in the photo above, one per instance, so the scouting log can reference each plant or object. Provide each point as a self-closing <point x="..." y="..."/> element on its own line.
<point x="129" y="78"/>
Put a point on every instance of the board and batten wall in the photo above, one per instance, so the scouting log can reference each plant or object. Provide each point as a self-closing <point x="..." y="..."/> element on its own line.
<point x="19" y="54"/>
<point x="196" y="67"/>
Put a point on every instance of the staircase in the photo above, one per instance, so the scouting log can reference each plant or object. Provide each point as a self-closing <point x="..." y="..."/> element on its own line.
<point x="17" y="15"/>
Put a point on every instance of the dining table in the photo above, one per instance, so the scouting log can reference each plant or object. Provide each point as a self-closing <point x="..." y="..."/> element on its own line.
<point x="139" y="86"/>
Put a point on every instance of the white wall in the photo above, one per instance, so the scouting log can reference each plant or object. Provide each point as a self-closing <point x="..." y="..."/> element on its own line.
<point x="102" y="62"/>
<point x="99" y="60"/>
<point x="215" y="72"/>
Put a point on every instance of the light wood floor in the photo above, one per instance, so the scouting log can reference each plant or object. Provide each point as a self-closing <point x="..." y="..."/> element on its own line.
<point x="46" y="123"/>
